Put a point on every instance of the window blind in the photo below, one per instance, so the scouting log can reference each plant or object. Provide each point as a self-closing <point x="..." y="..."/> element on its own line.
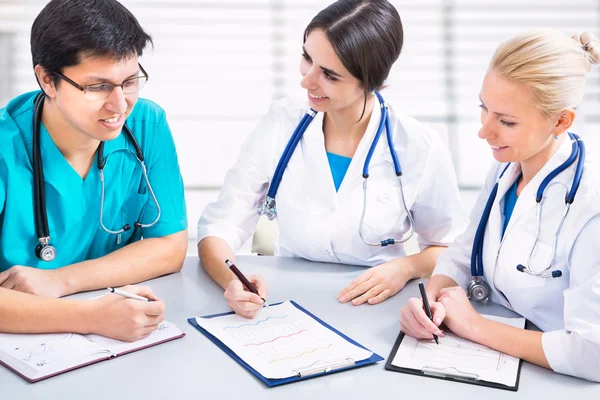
<point x="217" y="66"/>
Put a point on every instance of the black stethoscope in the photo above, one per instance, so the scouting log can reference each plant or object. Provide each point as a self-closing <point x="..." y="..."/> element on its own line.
<point x="479" y="289"/>
<point x="44" y="250"/>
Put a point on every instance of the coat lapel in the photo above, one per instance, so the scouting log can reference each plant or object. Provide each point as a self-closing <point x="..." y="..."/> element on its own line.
<point x="315" y="158"/>
<point x="493" y="231"/>
<point x="316" y="154"/>
<point x="355" y="169"/>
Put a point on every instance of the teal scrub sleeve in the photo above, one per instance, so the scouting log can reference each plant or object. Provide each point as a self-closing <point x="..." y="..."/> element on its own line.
<point x="165" y="177"/>
<point x="3" y="174"/>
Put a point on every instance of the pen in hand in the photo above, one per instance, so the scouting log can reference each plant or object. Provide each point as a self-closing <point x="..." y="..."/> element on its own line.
<point x="245" y="281"/>
<point x="427" y="308"/>
<point x="128" y="295"/>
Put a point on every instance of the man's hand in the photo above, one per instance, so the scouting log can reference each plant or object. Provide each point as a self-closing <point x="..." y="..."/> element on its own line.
<point x="41" y="282"/>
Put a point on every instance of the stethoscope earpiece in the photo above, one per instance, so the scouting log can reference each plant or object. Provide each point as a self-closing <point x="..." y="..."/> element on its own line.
<point x="555" y="274"/>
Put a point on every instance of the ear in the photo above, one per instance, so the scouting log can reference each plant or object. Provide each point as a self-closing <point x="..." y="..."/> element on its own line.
<point x="564" y="122"/>
<point x="45" y="81"/>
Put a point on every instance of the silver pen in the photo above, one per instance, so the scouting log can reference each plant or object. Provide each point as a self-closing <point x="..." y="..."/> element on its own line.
<point x="127" y="294"/>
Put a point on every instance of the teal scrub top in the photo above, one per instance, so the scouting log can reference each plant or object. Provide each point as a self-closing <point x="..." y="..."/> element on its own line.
<point x="73" y="203"/>
<point x="339" y="166"/>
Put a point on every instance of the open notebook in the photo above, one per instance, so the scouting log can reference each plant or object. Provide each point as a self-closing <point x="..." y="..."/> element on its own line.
<point x="458" y="359"/>
<point x="40" y="356"/>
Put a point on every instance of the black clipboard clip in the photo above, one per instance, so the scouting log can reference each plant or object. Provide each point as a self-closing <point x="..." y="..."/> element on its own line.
<point x="322" y="367"/>
<point x="450" y="372"/>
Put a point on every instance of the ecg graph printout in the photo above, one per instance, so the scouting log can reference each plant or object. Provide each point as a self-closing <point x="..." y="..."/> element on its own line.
<point x="281" y="340"/>
<point x="455" y="355"/>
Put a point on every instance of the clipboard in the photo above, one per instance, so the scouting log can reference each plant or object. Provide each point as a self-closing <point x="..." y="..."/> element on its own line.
<point x="303" y="373"/>
<point x="449" y="374"/>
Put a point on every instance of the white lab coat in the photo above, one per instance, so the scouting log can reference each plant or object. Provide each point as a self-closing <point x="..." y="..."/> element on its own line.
<point x="567" y="309"/>
<point x="316" y="222"/>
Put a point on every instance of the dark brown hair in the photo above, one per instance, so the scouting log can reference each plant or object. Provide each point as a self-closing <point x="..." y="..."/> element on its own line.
<point x="367" y="37"/>
<point x="65" y="31"/>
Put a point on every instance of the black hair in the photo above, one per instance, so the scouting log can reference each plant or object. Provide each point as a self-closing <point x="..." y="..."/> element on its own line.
<point x="65" y="31"/>
<point x="367" y="37"/>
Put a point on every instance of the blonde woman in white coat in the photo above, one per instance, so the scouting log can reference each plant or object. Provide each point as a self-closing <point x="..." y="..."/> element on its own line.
<point x="529" y="99"/>
<point x="348" y="51"/>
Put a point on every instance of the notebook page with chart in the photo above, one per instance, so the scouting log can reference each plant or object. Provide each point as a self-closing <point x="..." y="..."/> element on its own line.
<point x="282" y="342"/>
<point x="460" y="358"/>
<point x="39" y="356"/>
<point x="35" y="356"/>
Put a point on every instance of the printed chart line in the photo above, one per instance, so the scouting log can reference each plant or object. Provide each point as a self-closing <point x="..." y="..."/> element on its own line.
<point x="490" y="355"/>
<point x="303" y="354"/>
<point x="256" y="323"/>
<point x="278" y="337"/>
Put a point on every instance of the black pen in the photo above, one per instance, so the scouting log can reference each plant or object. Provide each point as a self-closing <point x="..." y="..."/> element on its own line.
<point x="427" y="308"/>
<point x="245" y="280"/>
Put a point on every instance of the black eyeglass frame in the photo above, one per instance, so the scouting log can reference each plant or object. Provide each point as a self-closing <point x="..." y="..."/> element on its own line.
<point x="84" y="89"/>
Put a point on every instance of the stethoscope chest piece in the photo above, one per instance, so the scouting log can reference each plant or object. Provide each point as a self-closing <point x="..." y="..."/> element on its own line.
<point x="268" y="208"/>
<point x="44" y="251"/>
<point x="478" y="289"/>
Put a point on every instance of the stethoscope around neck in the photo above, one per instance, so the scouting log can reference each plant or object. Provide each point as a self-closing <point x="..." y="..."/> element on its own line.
<point x="44" y="250"/>
<point x="269" y="207"/>
<point x="479" y="289"/>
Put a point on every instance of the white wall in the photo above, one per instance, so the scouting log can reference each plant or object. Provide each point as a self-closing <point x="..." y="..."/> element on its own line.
<point x="217" y="65"/>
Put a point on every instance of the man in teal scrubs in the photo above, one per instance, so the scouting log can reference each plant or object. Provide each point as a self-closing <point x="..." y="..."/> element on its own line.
<point x="85" y="57"/>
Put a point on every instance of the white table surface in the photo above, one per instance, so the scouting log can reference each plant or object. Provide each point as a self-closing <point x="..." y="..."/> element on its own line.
<point x="195" y="367"/>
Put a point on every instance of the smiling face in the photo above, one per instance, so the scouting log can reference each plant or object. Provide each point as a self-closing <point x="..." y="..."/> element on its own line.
<point x="513" y="126"/>
<point x="329" y="85"/>
<point x="99" y="120"/>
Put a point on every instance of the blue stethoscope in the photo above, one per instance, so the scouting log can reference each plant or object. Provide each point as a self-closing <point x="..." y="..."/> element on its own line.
<point x="479" y="289"/>
<point x="269" y="209"/>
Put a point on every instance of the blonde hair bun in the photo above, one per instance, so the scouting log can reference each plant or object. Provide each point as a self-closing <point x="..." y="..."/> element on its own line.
<point x="589" y="43"/>
<point x="551" y="64"/>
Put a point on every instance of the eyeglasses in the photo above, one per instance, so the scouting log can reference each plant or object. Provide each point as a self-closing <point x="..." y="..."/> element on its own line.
<point x="100" y="91"/>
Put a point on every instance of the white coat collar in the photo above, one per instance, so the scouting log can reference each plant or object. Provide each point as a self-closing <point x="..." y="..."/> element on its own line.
<point x="315" y="141"/>
<point x="527" y="196"/>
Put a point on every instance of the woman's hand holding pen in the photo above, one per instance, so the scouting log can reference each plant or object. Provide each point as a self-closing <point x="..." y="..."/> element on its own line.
<point x="243" y="302"/>
<point x="415" y="322"/>
<point x="460" y="316"/>
<point x="121" y="318"/>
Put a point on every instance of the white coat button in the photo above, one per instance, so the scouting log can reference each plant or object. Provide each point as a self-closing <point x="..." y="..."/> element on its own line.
<point x="384" y="197"/>
<point x="333" y="210"/>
